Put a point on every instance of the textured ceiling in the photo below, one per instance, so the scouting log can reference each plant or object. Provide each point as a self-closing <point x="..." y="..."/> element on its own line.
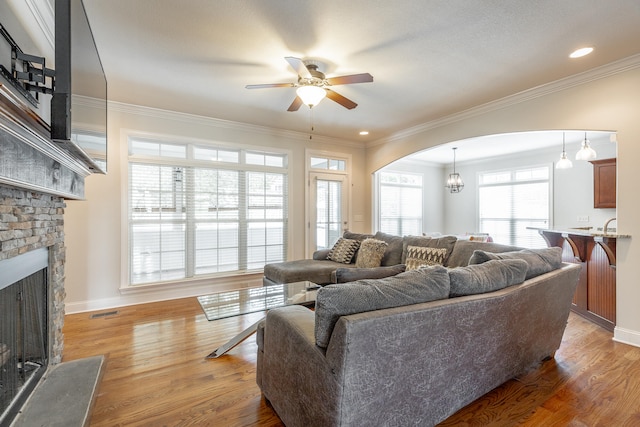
<point x="429" y="59"/>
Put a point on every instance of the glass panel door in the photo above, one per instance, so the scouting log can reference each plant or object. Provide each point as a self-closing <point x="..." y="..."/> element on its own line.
<point x="329" y="213"/>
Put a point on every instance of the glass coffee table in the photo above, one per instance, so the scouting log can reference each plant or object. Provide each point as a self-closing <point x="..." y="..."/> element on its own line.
<point x="225" y="304"/>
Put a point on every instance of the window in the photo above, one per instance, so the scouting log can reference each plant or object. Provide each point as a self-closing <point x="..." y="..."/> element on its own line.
<point x="326" y="163"/>
<point x="200" y="210"/>
<point x="511" y="201"/>
<point x="400" y="206"/>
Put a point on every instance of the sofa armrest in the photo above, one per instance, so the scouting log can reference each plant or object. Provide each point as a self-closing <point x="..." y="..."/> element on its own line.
<point x="344" y="275"/>
<point x="293" y="367"/>
<point x="321" y="254"/>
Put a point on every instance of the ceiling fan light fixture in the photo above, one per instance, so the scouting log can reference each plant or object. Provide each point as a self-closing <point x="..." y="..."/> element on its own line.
<point x="311" y="95"/>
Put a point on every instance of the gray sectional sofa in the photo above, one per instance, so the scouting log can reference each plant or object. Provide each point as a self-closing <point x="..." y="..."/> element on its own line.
<point x="413" y="348"/>
<point x="323" y="271"/>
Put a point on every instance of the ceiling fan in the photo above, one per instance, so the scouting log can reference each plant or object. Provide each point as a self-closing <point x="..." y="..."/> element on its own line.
<point x="313" y="85"/>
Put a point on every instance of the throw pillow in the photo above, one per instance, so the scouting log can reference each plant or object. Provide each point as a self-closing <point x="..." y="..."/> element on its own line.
<point x="343" y="250"/>
<point x="540" y="260"/>
<point x="447" y="242"/>
<point x="370" y="253"/>
<point x="418" y="257"/>
<point x="487" y="277"/>
<point x="410" y="287"/>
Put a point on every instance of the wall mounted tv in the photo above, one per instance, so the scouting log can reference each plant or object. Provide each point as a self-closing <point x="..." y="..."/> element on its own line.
<point x="79" y="102"/>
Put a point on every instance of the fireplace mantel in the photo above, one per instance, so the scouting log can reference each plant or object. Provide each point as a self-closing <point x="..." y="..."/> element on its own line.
<point x="29" y="159"/>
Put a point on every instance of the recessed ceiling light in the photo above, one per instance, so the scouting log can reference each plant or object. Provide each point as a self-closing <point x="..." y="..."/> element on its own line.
<point x="581" y="52"/>
<point x="364" y="132"/>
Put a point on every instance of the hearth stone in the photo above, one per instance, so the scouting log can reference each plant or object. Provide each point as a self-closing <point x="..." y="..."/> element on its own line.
<point x="70" y="385"/>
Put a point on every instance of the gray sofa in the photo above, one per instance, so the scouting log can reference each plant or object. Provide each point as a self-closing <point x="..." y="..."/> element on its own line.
<point x="421" y="353"/>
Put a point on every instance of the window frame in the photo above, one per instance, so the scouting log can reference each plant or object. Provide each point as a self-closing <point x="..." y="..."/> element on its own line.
<point x="513" y="182"/>
<point x="189" y="164"/>
<point x="378" y="197"/>
<point x="309" y="170"/>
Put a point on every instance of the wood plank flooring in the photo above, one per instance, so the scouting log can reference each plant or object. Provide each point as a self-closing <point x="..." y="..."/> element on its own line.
<point x="156" y="374"/>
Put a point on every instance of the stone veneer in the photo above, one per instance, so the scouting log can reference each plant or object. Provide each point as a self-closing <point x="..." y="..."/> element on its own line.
<point x="29" y="221"/>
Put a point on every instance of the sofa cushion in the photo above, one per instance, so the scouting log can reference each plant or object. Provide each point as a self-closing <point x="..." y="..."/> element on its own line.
<point x="463" y="249"/>
<point x="344" y="275"/>
<point x="540" y="260"/>
<point x="418" y="256"/>
<point x="446" y="242"/>
<point x="370" y="253"/>
<point x="356" y="236"/>
<point x="487" y="277"/>
<point x="410" y="287"/>
<point x="393" y="254"/>
<point x="316" y="271"/>
<point x="343" y="250"/>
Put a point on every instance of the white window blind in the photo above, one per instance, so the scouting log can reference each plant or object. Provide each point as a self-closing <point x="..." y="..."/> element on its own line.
<point x="511" y="201"/>
<point x="400" y="209"/>
<point x="200" y="210"/>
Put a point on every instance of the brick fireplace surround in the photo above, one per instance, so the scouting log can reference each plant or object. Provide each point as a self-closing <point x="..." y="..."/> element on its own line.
<point x="29" y="221"/>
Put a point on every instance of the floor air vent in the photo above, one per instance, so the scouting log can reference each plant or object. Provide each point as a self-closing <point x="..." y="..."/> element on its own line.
<point x="105" y="314"/>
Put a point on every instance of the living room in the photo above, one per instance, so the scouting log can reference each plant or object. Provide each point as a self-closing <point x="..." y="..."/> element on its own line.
<point x="594" y="98"/>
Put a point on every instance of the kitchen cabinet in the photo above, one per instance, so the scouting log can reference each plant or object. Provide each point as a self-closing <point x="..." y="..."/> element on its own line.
<point x="604" y="183"/>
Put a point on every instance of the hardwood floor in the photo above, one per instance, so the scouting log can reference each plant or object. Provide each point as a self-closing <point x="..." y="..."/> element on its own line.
<point x="156" y="374"/>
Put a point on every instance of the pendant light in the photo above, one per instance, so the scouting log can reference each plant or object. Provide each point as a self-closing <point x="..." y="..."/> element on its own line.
<point x="586" y="152"/>
<point x="454" y="183"/>
<point x="564" y="162"/>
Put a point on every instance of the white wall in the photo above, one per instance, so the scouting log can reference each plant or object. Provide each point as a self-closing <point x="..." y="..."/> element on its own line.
<point x="96" y="268"/>
<point x="606" y="100"/>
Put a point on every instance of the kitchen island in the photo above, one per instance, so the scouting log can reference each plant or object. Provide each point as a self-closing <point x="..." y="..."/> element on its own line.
<point x="595" y="250"/>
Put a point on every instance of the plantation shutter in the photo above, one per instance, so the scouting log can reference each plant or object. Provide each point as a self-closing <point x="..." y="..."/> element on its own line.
<point x="511" y="201"/>
<point x="196" y="211"/>
<point x="400" y="203"/>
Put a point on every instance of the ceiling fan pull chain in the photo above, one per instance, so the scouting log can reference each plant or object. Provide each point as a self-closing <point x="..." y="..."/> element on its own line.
<point x="311" y="120"/>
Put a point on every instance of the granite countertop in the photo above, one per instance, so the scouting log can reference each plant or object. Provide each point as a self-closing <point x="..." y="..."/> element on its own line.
<point x="586" y="231"/>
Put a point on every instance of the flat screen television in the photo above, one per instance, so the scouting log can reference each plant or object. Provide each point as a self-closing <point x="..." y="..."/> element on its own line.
<point x="79" y="102"/>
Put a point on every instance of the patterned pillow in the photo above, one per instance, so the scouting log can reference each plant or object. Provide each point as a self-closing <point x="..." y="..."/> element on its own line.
<point x="421" y="256"/>
<point x="344" y="250"/>
<point x="370" y="253"/>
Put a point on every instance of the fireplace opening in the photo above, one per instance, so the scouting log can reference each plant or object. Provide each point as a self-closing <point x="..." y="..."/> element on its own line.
<point x="23" y="328"/>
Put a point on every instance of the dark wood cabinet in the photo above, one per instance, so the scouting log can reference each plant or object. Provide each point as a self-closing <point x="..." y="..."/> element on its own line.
<point x="595" y="297"/>
<point x="604" y="183"/>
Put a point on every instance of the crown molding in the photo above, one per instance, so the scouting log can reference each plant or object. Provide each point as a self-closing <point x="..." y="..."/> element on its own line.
<point x="225" y="124"/>
<point x="608" y="70"/>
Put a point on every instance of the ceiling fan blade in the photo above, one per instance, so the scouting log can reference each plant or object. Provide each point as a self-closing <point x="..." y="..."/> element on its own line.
<point x="345" y="102"/>
<point x="295" y="105"/>
<point x="269" y="85"/>
<point x="298" y="65"/>
<point x="353" y="78"/>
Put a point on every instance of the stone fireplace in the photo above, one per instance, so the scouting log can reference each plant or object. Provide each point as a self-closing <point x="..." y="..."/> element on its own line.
<point x="31" y="237"/>
<point x="36" y="176"/>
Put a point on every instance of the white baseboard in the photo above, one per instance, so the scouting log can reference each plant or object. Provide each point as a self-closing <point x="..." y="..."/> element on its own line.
<point x="147" y="294"/>
<point x="626" y="336"/>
